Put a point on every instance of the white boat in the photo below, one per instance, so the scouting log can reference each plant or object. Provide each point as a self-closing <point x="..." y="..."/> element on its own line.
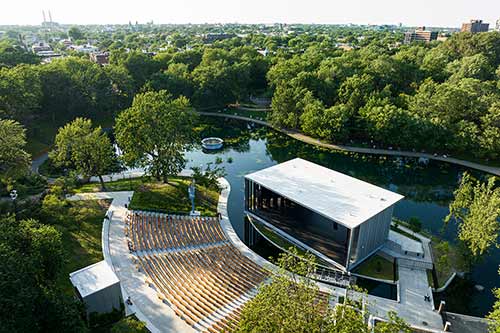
<point x="212" y="143"/>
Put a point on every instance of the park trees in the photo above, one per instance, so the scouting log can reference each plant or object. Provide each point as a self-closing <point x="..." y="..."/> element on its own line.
<point x="31" y="259"/>
<point x="176" y="80"/>
<point x="20" y="92"/>
<point x="74" y="87"/>
<point x="292" y="302"/>
<point x="12" y="55"/>
<point x="85" y="149"/>
<point x="220" y="79"/>
<point x="286" y="105"/>
<point x="140" y="66"/>
<point x="14" y="160"/>
<point x="75" y="34"/>
<point x="476" y="208"/>
<point x="154" y="131"/>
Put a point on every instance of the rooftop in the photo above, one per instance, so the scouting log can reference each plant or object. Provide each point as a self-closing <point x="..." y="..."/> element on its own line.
<point x="93" y="278"/>
<point x="344" y="199"/>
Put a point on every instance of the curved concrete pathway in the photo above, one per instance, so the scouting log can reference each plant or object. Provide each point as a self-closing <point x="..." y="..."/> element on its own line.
<point x="307" y="139"/>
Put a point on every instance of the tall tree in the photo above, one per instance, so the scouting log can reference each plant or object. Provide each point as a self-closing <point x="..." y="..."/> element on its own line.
<point x="14" y="160"/>
<point x="87" y="150"/>
<point x="75" y="33"/>
<point x="12" y="55"/>
<point x="154" y="131"/>
<point x="476" y="208"/>
<point x="31" y="258"/>
<point x="20" y="92"/>
<point x="292" y="302"/>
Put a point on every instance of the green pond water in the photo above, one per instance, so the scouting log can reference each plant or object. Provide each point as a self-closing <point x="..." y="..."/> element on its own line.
<point x="427" y="188"/>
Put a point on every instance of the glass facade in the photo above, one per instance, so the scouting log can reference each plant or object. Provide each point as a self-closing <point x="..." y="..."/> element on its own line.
<point x="314" y="230"/>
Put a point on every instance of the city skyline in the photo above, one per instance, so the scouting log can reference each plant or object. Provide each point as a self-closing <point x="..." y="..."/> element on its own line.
<point x="447" y="13"/>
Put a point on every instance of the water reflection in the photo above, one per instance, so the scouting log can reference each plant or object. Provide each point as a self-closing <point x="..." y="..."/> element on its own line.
<point x="427" y="187"/>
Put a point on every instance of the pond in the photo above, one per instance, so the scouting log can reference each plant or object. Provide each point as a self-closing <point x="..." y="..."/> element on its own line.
<point x="427" y="188"/>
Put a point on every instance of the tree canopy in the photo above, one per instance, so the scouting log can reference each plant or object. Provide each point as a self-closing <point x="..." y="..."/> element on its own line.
<point x="31" y="257"/>
<point x="154" y="132"/>
<point x="292" y="302"/>
<point x="84" y="149"/>
<point x="476" y="208"/>
<point x="14" y="160"/>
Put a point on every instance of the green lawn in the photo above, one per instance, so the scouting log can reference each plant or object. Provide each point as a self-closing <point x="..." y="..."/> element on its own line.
<point x="129" y="325"/>
<point x="376" y="267"/>
<point x="117" y="185"/>
<point x="81" y="237"/>
<point x="169" y="198"/>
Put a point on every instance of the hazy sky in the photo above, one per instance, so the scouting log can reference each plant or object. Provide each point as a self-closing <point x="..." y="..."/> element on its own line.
<point x="416" y="12"/>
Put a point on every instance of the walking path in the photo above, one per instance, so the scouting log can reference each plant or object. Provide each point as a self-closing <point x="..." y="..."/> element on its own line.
<point x="307" y="139"/>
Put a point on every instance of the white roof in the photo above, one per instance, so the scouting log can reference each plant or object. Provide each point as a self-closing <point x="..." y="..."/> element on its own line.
<point x="93" y="278"/>
<point x="344" y="199"/>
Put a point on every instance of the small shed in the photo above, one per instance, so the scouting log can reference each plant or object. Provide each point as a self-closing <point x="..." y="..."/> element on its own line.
<point x="98" y="287"/>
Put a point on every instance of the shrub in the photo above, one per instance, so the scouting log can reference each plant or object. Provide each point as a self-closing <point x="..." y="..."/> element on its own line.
<point x="414" y="224"/>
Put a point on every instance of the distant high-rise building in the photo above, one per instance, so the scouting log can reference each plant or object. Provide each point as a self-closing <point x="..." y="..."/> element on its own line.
<point x="497" y="28"/>
<point x="475" y="26"/>
<point x="420" y="35"/>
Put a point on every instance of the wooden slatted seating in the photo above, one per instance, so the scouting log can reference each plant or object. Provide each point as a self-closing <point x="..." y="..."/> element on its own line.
<point x="148" y="231"/>
<point x="194" y="268"/>
<point x="213" y="284"/>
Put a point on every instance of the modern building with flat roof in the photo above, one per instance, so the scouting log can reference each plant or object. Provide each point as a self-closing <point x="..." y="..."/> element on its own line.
<point x="420" y="35"/>
<point x="475" y="26"/>
<point x="98" y="287"/>
<point x="340" y="219"/>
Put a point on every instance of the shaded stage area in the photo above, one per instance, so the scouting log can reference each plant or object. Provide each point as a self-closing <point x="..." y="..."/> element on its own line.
<point x="321" y="234"/>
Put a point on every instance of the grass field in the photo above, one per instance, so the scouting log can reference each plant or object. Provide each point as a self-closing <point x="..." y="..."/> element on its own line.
<point x="170" y="198"/>
<point x="376" y="267"/>
<point x="81" y="237"/>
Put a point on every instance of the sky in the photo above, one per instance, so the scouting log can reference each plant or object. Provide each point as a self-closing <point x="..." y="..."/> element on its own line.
<point x="444" y="13"/>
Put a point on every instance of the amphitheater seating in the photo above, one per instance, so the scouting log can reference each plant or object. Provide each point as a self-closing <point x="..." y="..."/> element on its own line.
<point x="194" y="268"/>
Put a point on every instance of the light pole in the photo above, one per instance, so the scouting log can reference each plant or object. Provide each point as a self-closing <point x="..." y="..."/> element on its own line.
<point x="13" y="196"/>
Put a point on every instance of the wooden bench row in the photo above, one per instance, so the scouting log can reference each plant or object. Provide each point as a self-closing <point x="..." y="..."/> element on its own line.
<point x="149" y="231"/>
<point x="201" y="284"/>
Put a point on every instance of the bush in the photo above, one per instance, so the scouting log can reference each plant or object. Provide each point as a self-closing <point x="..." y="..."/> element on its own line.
<point x="49" y="169"/>
<point x="208" y="177"/>
<point x="414" y="224"/>
<point x="129" y="325"/>
<point x="54" y="209"/>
